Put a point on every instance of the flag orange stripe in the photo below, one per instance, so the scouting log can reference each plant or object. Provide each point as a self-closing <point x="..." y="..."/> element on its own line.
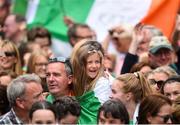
<point x="162" y="14"/>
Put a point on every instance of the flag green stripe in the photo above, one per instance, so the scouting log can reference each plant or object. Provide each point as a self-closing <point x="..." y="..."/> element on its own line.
<point x="89" y="108"/>
<point x="20" y="7"/>
<point x="55" y="10"/>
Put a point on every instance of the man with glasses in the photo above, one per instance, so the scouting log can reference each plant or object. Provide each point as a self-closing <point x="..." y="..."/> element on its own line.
<point x="59" y="78"/>
<point x="160" y="51"/>
<point x="22" y="92"/>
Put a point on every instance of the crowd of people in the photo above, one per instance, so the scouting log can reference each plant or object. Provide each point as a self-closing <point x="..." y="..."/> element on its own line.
<point x="138" y="84"/>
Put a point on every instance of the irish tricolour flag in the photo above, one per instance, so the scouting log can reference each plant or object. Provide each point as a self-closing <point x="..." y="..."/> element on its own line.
<point x="99" y="14"/>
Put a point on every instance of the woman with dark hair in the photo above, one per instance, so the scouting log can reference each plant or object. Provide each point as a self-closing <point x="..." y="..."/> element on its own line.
<point x="37" y="63"/>
<point x="42" y="112"/>
<point x="155" y="109"/>
<point x="171" y="87"/>
<point x="113" y="112"/>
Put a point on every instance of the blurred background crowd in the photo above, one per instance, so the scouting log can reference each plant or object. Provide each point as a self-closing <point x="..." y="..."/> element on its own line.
<point x="56" y="67"/>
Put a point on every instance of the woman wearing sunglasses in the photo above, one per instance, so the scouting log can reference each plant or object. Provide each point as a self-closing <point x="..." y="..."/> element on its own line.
<point x="9" y="57"/>
<point x="155" y="109"/>
<point x="158" y="76"/>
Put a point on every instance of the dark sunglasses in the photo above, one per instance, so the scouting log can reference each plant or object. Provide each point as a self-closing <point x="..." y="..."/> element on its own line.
<point x="159" y="83"/>
<point x="166" y="117"/>
<point x="8" y="54"/>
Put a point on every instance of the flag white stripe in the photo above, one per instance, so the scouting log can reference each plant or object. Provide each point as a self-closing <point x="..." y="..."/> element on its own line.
<point x="61" y="48"/>
<point x="108" y="13"/>
<point x="31" y="10"/>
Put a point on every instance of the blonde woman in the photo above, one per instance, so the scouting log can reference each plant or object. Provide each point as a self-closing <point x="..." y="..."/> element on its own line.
<point x="158" y="76"/>
<point x="91" y="87"/>
<point x="37" y="63"/>
<point x="131" y="88"/>
<point x="10" y="59"/>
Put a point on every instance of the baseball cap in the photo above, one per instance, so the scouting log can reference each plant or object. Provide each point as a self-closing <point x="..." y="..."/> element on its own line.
<point x="159" y="42"/>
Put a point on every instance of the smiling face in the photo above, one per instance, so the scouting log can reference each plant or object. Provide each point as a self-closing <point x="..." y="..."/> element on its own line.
<point x="93" y="65"/>
<point x="162" y="57"/>
<point x="8" y="59"/>
<point x="40" y="66"/>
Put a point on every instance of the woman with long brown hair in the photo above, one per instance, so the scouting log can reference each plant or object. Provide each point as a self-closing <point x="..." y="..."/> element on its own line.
<point x="91" y="87"/>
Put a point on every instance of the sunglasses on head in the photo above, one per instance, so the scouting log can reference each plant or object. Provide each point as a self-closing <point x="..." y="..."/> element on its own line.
<point x="8" y="54"/>
<point x="64" y="60"/>
<point x="159" y="83"/>
<point x="58" y="59"/>
<point x="166" y="118"/>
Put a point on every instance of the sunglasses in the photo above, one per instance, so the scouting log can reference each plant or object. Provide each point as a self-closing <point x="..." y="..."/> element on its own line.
<point x="166" y="117"/>
<point x="159" y="83"/>
<point x="8" y="54"/>
<point x="58" y="59"/>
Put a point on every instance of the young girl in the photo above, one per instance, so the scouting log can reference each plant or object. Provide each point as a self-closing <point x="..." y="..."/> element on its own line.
<point x="91" y="87"/>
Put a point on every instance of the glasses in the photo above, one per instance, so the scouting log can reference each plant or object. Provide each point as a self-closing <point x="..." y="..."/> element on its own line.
<point x="8" y="54"/>
<point x="159" y="83"/>
<point x="165" y="117"/>
<point x="165" y="52"/>
<point x="41" y="64"/>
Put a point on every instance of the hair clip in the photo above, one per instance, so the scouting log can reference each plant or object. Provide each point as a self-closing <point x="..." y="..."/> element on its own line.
<point x="136" y="74"/>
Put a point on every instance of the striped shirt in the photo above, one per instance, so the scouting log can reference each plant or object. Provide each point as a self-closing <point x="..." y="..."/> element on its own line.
<point x="10" y="118"/>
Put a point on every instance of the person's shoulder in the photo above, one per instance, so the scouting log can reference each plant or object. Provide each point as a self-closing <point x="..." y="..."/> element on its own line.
<point x="5" y="119"/>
